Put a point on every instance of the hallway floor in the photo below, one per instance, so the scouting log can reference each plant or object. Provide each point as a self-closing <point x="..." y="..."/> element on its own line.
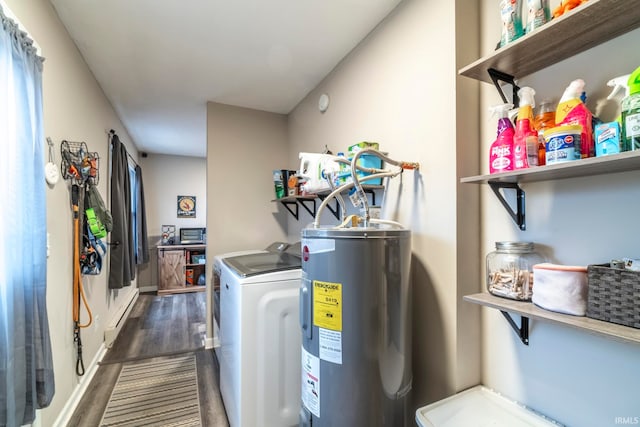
<point x="158" y="327"/>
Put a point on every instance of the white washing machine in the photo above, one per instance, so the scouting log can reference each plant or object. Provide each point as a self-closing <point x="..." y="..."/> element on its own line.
<point x="217" y="271"/>
<point x="260" y="338"/>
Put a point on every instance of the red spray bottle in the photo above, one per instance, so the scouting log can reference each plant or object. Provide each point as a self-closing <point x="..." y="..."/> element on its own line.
<point x="525" y="140"/>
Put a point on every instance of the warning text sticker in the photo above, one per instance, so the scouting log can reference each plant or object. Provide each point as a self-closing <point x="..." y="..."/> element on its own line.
<point x="327" y="305"/>
<point x="330" y="345"/>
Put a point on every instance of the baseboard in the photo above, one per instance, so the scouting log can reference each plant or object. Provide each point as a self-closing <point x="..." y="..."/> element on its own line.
<point x="73" y="401"/>
<point x="147" y="289"/>
<point x="113" y="329"/>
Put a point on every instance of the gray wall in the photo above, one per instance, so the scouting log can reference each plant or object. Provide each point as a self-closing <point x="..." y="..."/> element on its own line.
<point x="244" y="146"/>
<point x="399" y="88"/>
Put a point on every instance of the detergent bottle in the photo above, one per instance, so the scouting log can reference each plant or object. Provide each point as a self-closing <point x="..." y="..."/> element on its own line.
<point x="631" y="114"/>
<point x="572" y="111"/>
<point x="501" y="152"/>
<point x="314" y="171"/>
<point x="539" y="14"/>
<point x="511" y="17"/>
<point x="545" y="119"/>
<point x="525" y="139"/>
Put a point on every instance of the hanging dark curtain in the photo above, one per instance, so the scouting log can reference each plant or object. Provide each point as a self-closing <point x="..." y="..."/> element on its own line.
<point x="122" y="260"/>
<point x="142" y="252"/>
<point x="26" y="366"/>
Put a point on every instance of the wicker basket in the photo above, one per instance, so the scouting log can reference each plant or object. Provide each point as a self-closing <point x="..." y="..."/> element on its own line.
<point x="614" y="295"/>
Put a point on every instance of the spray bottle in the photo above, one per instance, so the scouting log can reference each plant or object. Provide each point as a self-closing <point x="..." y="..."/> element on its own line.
<point x="572" y="111"/>
<point x="525" y="140"/>
<point x="619" y="85"/>
<point x="631" y="114"/>
<point x="501" y="152"/>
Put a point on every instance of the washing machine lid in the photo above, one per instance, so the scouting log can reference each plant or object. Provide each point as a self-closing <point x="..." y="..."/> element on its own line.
<point x="260" y="263"/>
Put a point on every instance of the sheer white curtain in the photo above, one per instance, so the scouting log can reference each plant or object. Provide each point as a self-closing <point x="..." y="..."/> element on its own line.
<point x="26" y="369"/>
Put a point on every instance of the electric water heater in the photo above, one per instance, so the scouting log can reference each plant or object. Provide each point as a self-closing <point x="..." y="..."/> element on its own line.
<point x="355" y="314"/>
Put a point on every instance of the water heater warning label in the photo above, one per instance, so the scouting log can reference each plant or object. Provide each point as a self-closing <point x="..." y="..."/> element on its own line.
<point x="330" y="345"/>
<point x="327" y="305"/>
<point x="311" y="382"/>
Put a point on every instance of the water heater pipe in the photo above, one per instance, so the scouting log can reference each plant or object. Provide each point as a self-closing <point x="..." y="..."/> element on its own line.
<point x="375" y="173"/>
<point x="359" y="190"/>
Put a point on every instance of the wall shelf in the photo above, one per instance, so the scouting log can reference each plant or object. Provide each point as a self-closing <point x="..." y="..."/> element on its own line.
<point x="586" y="26"/>
<point x="623" y="162"/>
<point x="308" y="202"/>
<point x="531" y="311"/>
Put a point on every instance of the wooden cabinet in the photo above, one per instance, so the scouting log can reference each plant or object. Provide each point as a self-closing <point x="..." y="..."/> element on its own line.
<point x="181" y="268"/>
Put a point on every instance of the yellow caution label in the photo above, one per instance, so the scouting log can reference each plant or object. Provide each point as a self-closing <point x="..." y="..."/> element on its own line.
<point x="327" y="305"/>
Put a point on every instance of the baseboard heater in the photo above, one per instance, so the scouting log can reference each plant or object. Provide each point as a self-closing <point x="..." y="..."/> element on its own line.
<point x="113" y="329"/>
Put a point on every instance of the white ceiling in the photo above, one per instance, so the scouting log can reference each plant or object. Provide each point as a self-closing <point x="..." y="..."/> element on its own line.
<point x="160" y="61"/>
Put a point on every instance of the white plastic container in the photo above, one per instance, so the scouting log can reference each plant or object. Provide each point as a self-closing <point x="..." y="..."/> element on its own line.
<point x="479" y="407"/>
<point x="563" y="144"/>
<point x="560" y="288"/>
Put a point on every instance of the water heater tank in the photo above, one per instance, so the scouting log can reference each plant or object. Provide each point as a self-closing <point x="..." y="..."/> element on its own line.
<point x="355" y="313"/>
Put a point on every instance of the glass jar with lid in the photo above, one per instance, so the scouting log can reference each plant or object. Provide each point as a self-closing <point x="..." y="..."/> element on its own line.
<point x="510" y="270"/>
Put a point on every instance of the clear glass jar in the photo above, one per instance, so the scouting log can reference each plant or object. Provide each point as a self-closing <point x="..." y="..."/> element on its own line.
<point x="510" y="270"/>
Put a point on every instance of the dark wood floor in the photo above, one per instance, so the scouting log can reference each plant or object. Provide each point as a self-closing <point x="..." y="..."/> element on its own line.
<point x="158" y="326"/>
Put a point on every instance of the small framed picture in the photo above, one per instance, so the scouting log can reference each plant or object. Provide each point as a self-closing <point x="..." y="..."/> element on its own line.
<point x="186" y="206"/>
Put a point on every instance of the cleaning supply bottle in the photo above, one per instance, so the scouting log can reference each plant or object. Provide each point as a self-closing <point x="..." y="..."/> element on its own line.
<point x="620" y="86"/>
<point x="511" y="17"/>
<point x="539" y="14"/>
<point x="572" y="111"/>
<point x="545" y="119"/>
<point x="501" y="152"/>
<point x="631" y="114"/>
<point x="525" y="140"/>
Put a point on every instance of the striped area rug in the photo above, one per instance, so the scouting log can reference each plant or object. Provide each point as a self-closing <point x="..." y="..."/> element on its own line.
<point x="155" y="393"/>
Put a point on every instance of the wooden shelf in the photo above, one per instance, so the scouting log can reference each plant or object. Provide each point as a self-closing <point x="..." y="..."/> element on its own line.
<point x="321" y="193"/>
<point x="614" y="163"/>
<point x="586" y="26"/>
<point x="530" y="310"/>
<point x="292" y="202"/>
